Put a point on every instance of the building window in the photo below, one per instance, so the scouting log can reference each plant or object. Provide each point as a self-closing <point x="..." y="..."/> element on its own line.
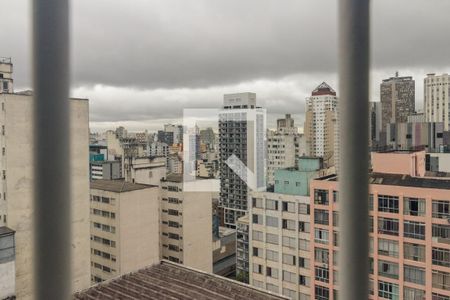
<point x="437" y="296"/>
<point x="322" y="274"/>
<point x="388" y="203"/>
<point x="321" y="197"/>
<point x="272" y="255"/>
<point x="321" y="236"/>
<point x="272" y="288"/>
<point x="288" y="206"/>
<point x="289" y="259"/>
<point x="271" y="238"/>
<point x="441" y="257"/>
<point x="288" y="224"/>
<point x="289" y="276"/>
<point x="335" y="219"/>
<point x="322" y="293"/>
<point x="303" y="244"/>
<point x="257" y="203"/>
<point x="388" y="269"/>
<point x="271" y="221"/>
<point x="321" y="216"/>
<point x="441" y="233"/>
<point x="257" y="236"/>
<point x="388" y="290"/>
<point x="290" y="293"/>
<point x="441" y="209"/>
<point x="335" y="196"/>
<point x="388" y="226"/>
<point x="271" y="204"/>
<point x="272" y="272"/>
<point x="257" y="219"/>
<point x="370" y="201"/>
<point x="441" y="280"/>
<point x="258" y="252"/>
<point x="413" y="294"/>
<point x="257" y="268"/>
<point x="388" y="247"/>
<point x="415" y="230"/>
<point x="303" y="209"/>
<point x="414" y="252"/>
<point x="303" y="262"/>
<point x="414" y="274"/>
<point x="303" y="226"/>
<point x="414" y="206"/>
<point x="289" y="242"/>
<point x="321" y="255"/>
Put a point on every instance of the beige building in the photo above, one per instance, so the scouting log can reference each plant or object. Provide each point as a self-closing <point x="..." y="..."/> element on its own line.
<point x="186" y="224"/>
<point x="124" y="228"/>
<point x="16" y="188"/>
<point x="145" y="170"/>
<point x="321" y="125"/>
<point x="6" y="80"/>
<point x="279" y="237"/>
<point x="437" y="99"/>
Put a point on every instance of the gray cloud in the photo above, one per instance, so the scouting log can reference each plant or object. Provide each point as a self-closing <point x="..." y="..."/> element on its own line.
<point x="148" y="59"/>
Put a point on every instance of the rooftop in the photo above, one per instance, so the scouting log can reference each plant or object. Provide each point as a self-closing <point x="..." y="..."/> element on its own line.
<point x="323" y="89"/>
<point x="167" y="280"/>
<point x="6" y="230"/>
<point x="401" y="180"/>
<point x="118" y="186"/>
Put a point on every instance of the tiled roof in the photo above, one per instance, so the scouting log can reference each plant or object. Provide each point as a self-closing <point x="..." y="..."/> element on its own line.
<point x="168" y="280"/>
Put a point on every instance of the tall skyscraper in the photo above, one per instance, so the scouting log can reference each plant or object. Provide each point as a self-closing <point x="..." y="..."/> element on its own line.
<point x="397" y="101"/>
<point x="242" y="134"/>
<point x="437" y="99"/>
<point x="321" y="124"/>
<point x="375" y="123"/>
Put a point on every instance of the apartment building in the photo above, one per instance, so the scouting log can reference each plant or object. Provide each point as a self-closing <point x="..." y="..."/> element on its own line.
<point x="281" y="147"/>
<point x="106" y="169"/>
<point x="397" y="96"/>
<point x="242" y="249"/>
<point x="16" y="188"/>
<point x="242" y="134"/>
<point x="437" y="99"/>
<point x="280" y="233"/>
<point x="410" y="136"/>
<point x="186" y="224"/>
<point x="321" y="124"/>
<point x="409" y="231"/>
<point x="145" y="170"/>
<point x="124" y="228"/>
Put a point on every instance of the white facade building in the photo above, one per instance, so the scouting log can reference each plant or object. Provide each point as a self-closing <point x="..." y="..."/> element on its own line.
<point x="437" y="99"/>
<point x="281" y="152"/>
<point x="321" y="124"/>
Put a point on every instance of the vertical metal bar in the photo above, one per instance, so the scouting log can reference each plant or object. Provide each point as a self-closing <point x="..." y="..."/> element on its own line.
<point x="354" y="39"/>
<point x="52" y="150"/>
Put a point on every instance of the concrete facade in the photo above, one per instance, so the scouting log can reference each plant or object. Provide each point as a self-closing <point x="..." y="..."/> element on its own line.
<point x="145" y="170"/>
<point x="409" y="232"/>
<point x="124" y="228"/>
<point x="16" y="190"/>
<point x="6" y="77"/>
<point x="186" y="224"/>
<point x="437" y="99"/>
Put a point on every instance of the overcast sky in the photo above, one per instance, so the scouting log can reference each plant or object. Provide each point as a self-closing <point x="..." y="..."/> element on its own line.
<point x="141" y="62"/>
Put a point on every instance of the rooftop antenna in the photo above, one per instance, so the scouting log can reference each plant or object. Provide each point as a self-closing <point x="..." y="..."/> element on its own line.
<point x="396" y="74"/>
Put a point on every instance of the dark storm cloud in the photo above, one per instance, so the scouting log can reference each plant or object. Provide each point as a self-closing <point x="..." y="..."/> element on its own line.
<point x="147" y="59"/>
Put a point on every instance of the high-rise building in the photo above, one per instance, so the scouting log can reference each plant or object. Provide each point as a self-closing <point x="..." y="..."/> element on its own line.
<point x="186" y="224"/>
<point x="409" y="231"/>
<point x="397" y="96"/>
<point x="6" y="79"/>
<point x="17" y="192"/>
<point x="124" y="228"/>
<point x="437" y="99"/>
<point x="242" y="134"/>
<point x="375" y="123"/>
<point x="321" y="124"/>
<point x="413" y="136"/>
<point x="281" y="147"/>
<point x="7" y="264"/>
<point x="280" y="258"/>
